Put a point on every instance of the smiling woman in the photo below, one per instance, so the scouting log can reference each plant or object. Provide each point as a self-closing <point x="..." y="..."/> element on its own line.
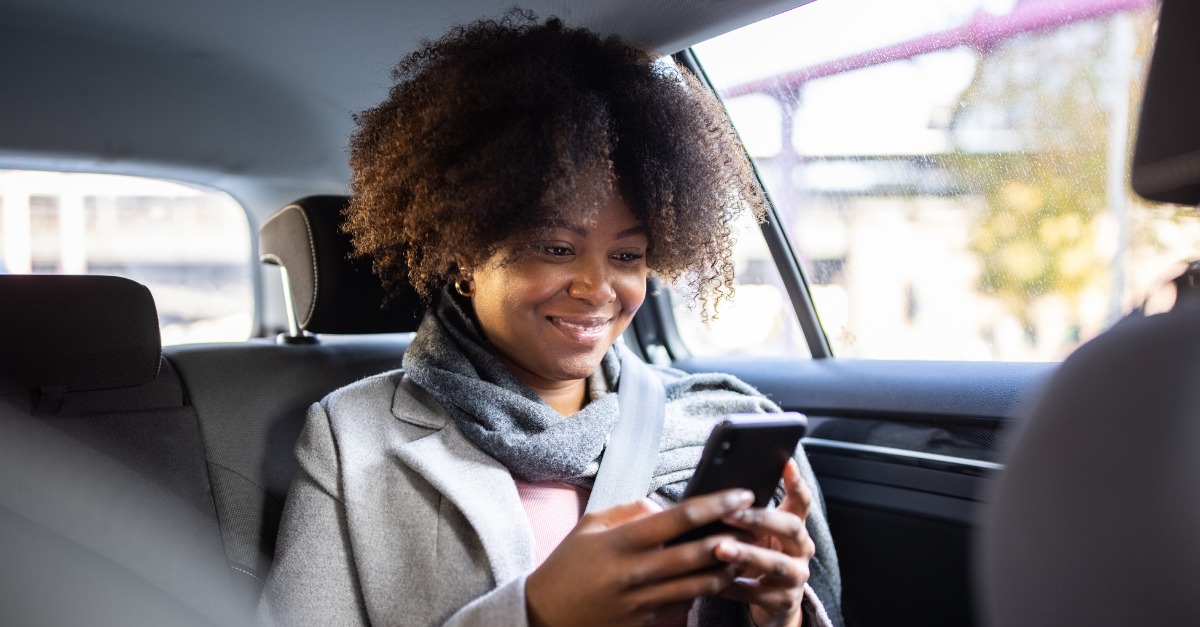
<point x="567" y="169"/>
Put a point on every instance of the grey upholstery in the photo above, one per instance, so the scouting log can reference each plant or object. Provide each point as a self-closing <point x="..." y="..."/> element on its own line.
<point x="252" y="397"/>
<point x="103" y="484"/>
<point x="1095" y="517"/>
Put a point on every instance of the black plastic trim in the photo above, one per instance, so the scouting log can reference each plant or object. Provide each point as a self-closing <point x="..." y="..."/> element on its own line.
<point x="924" y="390"/>
<point x="949" y="493"/>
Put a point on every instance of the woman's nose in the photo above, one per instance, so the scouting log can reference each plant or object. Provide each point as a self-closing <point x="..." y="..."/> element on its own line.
<point x="592" y="282"/>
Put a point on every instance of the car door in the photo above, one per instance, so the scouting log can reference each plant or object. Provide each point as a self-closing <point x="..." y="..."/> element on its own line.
<point x="951" y="218"/>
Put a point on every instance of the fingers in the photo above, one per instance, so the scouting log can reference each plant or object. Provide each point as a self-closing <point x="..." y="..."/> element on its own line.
<point x="770" y="567"/>
<point x="786" y="528"/>
<point x="655" y="614"/>
<point x="618" y="515"/>
<point x="684" y="589"/>
<point x="797" y="497"/>
<point x="675" y="561"/>
<point x="655" y="529"/>
<point x="775" y="601"/>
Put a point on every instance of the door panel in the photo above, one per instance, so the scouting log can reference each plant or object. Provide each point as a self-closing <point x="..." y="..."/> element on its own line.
<point x="905" y="452"/>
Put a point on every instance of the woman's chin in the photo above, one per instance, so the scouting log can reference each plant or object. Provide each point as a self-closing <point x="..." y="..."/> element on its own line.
<point x="579" y="368"/>
<point x="556" y="370"/>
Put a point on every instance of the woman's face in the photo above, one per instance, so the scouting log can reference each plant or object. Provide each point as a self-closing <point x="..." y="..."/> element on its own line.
<point x="559" y="301"/>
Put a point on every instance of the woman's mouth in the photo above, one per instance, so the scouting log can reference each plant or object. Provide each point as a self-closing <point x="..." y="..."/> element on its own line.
<point x="581" y="330"/>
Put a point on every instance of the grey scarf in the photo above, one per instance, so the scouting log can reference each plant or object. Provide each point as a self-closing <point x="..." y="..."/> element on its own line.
<point x="506" y="419"/>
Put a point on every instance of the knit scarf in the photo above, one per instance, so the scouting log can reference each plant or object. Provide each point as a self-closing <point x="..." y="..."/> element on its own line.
<point x="501" y="415"/>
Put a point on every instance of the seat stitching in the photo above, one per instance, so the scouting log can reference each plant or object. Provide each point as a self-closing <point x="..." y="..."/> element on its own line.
<point x="312" y="248"/>
<point x="248" y="479"/>
<point x="236" y="567"/>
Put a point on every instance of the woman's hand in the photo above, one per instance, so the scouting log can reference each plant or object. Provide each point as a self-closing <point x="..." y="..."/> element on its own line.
<point x="772" y="572"/>
<point x="612" y="569"/>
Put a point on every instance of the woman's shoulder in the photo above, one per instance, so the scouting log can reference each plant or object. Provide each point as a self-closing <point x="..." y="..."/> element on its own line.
<point x="365" y="394"/>
<point x="364" y="420"/>
<point x="387" y="397"/>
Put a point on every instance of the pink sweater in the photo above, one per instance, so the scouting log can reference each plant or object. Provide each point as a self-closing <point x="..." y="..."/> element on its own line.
<point x="553" y="508"/>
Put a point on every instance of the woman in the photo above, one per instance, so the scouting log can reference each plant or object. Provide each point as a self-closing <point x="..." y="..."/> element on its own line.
<point x="527" y="178"/>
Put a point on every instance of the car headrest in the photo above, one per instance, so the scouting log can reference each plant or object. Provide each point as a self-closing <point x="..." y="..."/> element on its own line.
<point x="1094" y="518"/>
<point x="76" y="333"/>
<point x="331" y="291"/>
<point x="1166" y="156"/>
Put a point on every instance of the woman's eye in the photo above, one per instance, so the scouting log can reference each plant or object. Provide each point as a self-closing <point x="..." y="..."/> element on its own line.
<point x="555" y="250"/>
<point x="629" y="256"/>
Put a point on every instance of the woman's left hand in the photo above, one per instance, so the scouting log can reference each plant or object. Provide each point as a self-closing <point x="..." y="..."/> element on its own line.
<point x="773" y="570"/>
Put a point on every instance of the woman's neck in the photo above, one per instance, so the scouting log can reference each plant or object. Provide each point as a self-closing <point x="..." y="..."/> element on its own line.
<point x="565" y="399"/>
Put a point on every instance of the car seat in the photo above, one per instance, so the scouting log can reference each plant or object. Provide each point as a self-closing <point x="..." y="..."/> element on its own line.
<point x="106" y="515"/>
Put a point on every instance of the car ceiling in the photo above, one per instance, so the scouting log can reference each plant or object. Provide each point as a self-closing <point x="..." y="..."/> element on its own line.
<point x="251" y="96"/>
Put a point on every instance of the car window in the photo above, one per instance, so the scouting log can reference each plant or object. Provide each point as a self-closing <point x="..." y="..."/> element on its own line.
<point x="759" y="320"/>
<point x="190" y="246"/>
<point x="954" y="178"/>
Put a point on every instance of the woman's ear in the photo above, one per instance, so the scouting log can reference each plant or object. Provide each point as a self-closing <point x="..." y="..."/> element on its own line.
<point x="464" y="280"/>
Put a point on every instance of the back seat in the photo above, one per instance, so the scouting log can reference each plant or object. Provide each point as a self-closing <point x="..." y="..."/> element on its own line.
<point x="210" y="427"/>
<point x="106" y="513"/>
<point x="251" y="398"/>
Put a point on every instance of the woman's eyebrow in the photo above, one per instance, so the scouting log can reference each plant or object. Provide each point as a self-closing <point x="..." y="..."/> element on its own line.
<point x="637" y="230"/>
<point x="640" y="229"/>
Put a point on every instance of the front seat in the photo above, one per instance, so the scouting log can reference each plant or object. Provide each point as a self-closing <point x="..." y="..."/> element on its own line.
<point x="1096" y="517"/>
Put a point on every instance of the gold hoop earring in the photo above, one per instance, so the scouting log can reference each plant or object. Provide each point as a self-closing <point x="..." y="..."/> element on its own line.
<point x="464" y="287"/>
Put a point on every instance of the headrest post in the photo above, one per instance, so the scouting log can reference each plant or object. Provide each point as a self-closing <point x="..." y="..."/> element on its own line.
<point x="295" y="334"/>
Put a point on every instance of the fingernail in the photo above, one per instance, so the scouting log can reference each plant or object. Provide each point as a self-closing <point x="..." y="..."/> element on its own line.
<point x="737" y="516"/>
<point x="740" y="498"/>
<point x="725" y="551"/>
<point x="650" y="505"/>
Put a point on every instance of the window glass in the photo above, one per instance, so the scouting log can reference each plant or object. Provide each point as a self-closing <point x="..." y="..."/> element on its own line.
<point x="954" y="178"/>
<point x="189" y="246"/>
<point x="758" y="321"/>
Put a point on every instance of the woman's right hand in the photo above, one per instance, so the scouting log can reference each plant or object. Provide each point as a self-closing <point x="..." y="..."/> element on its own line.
<point x="612" y="569"/>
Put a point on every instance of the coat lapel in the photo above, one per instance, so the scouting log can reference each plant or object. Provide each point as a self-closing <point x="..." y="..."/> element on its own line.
<point x="480" y="487"/>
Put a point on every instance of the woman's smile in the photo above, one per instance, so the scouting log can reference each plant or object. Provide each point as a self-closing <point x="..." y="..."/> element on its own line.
<point x="583" y="330"/>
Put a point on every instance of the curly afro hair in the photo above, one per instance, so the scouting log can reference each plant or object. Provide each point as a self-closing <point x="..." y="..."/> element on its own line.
<point x="502" y="126"/>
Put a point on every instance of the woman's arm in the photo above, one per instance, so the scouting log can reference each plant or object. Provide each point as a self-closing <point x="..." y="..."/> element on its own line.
<point x="313" y="581"/>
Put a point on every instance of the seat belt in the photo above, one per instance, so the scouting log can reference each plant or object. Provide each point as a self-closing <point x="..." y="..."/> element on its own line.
<point x="632" y="449"/>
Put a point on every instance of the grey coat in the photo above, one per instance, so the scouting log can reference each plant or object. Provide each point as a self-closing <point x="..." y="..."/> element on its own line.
<point x="395" y="518"/>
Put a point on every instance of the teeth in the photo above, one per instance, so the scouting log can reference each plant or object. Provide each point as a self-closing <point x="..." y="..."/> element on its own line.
<point x="584" y="326"/>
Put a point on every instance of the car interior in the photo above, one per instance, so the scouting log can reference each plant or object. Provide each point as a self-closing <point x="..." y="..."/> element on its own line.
<point x="143" y="480"/>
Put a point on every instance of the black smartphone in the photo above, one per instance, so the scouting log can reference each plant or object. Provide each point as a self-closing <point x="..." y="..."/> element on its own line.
<point x="744" y="451"/>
